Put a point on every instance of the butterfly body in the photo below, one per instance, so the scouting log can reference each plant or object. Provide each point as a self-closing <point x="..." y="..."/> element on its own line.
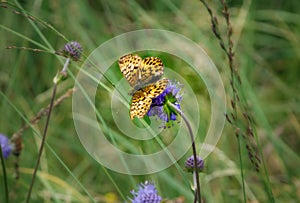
<point x="143" y="75"/>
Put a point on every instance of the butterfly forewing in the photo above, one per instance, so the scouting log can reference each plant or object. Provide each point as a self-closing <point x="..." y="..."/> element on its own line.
<point x="151" y="70"/>
<point x="129" y="66"/>
<point x="142" y="99"/>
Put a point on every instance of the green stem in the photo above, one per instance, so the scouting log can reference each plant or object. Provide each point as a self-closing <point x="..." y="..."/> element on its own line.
<point x="4" y="176"/>
<point x="196" y="171"/>
<point x="56" y="80"/>
<point x="241" y="164"/>
<point x="42" y="143"/>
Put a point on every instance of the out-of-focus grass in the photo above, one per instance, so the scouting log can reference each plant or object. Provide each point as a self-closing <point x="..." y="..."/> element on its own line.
<point x="267" y="47"/>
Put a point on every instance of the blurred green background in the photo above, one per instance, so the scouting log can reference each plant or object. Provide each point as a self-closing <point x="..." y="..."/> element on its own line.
<point x="267" y="55"/>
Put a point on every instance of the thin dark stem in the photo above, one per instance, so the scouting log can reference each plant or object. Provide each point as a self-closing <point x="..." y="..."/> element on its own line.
<point x="196" y="171"/>
<point x="241" y="164"/>
<point x="4" y="175"/>
<point x="195" y="195"/>
<point x="42" y="143"/>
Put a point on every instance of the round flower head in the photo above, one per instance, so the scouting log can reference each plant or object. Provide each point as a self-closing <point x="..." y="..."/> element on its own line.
<point x="5" y="146"/>
<point x="73" y="49"/>
<point x="146" y="193"/>
<point x="159" y="106"/>
<point x="189" y="164"/>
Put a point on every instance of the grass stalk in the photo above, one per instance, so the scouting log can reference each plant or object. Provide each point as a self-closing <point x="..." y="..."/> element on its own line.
<point x="42" y="144"/>
<point x="4" y="176"/>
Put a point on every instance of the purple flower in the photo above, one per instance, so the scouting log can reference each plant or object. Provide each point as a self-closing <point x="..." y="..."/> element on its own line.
<point x="189" y="164"/>
<point x="73" y="49"/>
<point x="5" y="146"/>
<point x="159" y="106"/>
<point x="146" y="193"/>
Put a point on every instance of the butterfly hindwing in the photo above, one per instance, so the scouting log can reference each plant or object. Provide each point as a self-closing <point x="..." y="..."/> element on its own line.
<point x="142" y="99"/>
<point x="140" y="104"/>
<point x="155" y="89"/>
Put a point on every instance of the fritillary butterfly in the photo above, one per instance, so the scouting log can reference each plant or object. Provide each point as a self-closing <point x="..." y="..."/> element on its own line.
<point x="143" y="75"/>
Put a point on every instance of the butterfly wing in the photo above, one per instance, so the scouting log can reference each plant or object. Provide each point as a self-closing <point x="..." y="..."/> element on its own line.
<point x="151" y="69"/>
<point x="142" y="99"/>
<point x="142" y="75"/>
<point x="140" y="104"/>
<point x="129" y="66"/>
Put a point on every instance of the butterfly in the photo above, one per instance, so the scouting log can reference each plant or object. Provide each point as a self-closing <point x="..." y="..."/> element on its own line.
<point x="143" y="75"/>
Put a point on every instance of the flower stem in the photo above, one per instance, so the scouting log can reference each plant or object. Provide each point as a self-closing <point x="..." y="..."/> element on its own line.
<point x="42" y="143"/>
<point x="196" y="171"/>
<point x="56" y="80"/>
<point x="4" y="175"/>
<point x="64" y="70"/>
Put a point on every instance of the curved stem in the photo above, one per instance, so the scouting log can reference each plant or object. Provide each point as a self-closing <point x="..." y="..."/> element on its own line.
<point x="56" y="80"/>
<point x="4" y="176"/>
<point x="196" y="171"/>
<point x="42" y="143"/>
